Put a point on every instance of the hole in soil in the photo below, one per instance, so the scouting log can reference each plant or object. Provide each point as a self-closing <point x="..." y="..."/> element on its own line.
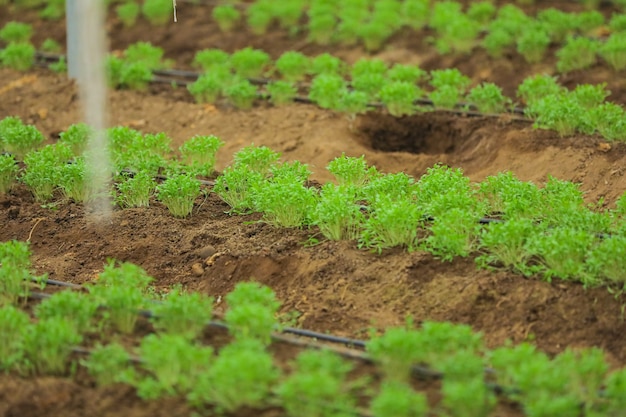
<point x="426" y="133"/>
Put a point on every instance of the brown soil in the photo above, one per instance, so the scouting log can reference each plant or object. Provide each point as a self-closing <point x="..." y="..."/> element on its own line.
<point x="333" y="286"/>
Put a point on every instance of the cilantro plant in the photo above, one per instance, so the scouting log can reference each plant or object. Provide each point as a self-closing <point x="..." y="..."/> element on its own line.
<point x="534" y="88"/>
<point x="349" y="170"/>
<point x="128" y="12"/>
<point x="398" y="399"/>
<point x="442" y="189"/>
<point x="258" y="17"/>
<point x="396" y="351"/>
<point x="209" y="86"/>
<point x="15" y="273"/>
<point x="42" y="173"/>
<point x="47" y="345"/>
<point x="606" y="260"/>
<point x="533" y="43"/>
<point x="326" y="90"/>
<point x="496" y="41"/>
<point x="182" y="314"/>
<point x="109" y="364"/>
<point x="416" y="13"/>
<point x="146" y="53"/>
<point x="16" y="32"/>
<point x="285" y="203"/>
<point x="252" y="312"/>
<point x="209" y="59"/>
<point x="8" y="172"/>
<point x="241" y="93"/>
<point x="121" y="289"/>
<point x="610" y="121"/>
<point x="370" y="84"/>
<point x="75" y="307"/>
<point x="406" y="73"/>
<point x="281" y="92"/>
<point x="327" y="64"/>
<point x="399" y="97"/>
<point x="199" y="153"/>
<point x="488" y="98"/>
<point x="135" y="190"/>
<point x="454" y="233"/>
<point x="560" y="113"/>
<point x="18" y="138"/>
<point x="557" y="23"/>
<point x="318" y="386"/>
<point x="76" y="137"/>
<point x="257" y="158"/>
<point x="178" y="193"/>
<point x="242" y="375"/>
<point x="506" y="243"/>
<point x="236" y="185"/>
<point x="293" y="65"/>
<point x="321" y="25"/>
<point x="158" y="12"/>
<point x="391" y="222"/>
<point x="337" y="213"/>
<point x="74" y="182"/>
<point x="353" y="103"/>
<point x="173" y="364"/>
<point x="577" y="54"/>
<point x="14" y="324"/>
<point x="449" y="86"/>
<point x="50" y="45"/>
<point x="226" y="17"/>
<point x="249" y="62"/>
<point x="613" y="51"/>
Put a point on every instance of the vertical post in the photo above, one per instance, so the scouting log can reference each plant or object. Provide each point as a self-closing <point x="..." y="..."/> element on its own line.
<point x="73" y="36"/>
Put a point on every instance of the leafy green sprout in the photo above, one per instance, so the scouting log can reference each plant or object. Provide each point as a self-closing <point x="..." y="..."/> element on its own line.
<point x="236" y="185"/>
<point x="135" y="190"/>
<point x="534" y="88"/>
<point x="209" y="86"/>
<point x="326" y="90"/>
<point x="327" y="64"/>
<point x="47" y="345"/>
<point x="249" y="62"/>
<point x="16" y="32"/>
<point x="398" y="399"/>
<point x="8" y="172"/>
<point x="281" y="92"/>
<point x="179" y="193"/>
<point x="399" y="97"/>
<point x="242" y="94"/>
<point x="454" y="233"/>
<point x="577" y="54"/>
<point x="321" y="26"/>
<point x="199" y="153"/>
<point x="146" y="53"/>
<point x="226" y="17"/>
<point x="14" y="324"/>
<point x="15" y="273"/>
<point x="406" y="73"/>
<point x="121" y="289"/>
<point x="128" y="12"/>
<point x="353" y="103"/>
<point x="208" y="59"/>
<point x="78" y="309"/>
<point x="77" y="136"/>
<point x="285" y="203"/>
<point x="50" y="45"/>
<point x="488" y="98"/>
<point x="370" y="84"/>
<point x="351" y="170"/>
<point x="109" y="364"/>
<point x="183" y="314"/>
<point x="257" y="158"/>
<point x="258" y="17"/>
<point x="533" y="44"/>
<point x="562" y="113"/>
<point x="74" y="182"/>
<point x="173" y="363"/>
<point x="158" y="12"/>
<point x="19" y="138"/>
<point x="318" y="386"/>
<point x="368" y="66"/>
<point x="337" y="213"/>
<point x="610" y="121"/>
<point x="450" y="86"/>
<point x="293" y="65"/>
<point x="43" y="168"/>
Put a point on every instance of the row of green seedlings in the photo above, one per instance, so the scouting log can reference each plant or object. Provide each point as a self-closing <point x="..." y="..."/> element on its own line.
<point x="19" y="53"/>
<point x="158" y="12"/>
<point x="174" y="362"/>
<point x="583" y="110"/>
<point x="398" y="88"/>
<point x="497" y="30"/>
<point x="61" y="168"/>
<point x="549" y="232"/>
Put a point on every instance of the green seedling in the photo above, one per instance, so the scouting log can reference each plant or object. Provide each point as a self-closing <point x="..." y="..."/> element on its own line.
<point x="399" y="97"/>
<point x="8" y="172"/>
<point x="179" y="193"/>
<point x="454" y="233"/>
<point x="370" y="84"/>
<point x="535" y="88"/>
<point x="285" y="203"/>
<point x="249" y="62"/>
<point x="258" y="17"/>
<point x="158" y="12"/>
<point x="43" y="169"/>
<point x="75" y="307"/>
<point x="488" y="98"/>
<point x="199" y="153"/>
<point x="208" y="59"/>
<point x="406" y="73"/>
<point x="326" y="90"/>
<point x="321" y="26"/>
<point x="349" y="170"/>
<point x="47" y="345"/>
<point x="209" y="86"/>
<point x="609" y="119"/>
<point x="257" y="158"/>
<point x="16" y="32"/>
<point x="293" y="65"/>
<point x="226" y="17"/>
<point x="74" y="181"/>
<point x="109" y="364"/>
<point x="182" y="314"/>
<point x="578" y="53"/>
<point x="327" y="64"/>
<point x="128" y="12"/>
<point x="135" y="190"/>
<point x="242" y="94"/>
<point x="18" y="138"/>
<point x="76" y="137"/>
<point x="337" y="213"/>
<point x="52" y="46"/>
<point x="14" y="325"/>
<point x="281" y="93"/>
<point x="533" y="44"/>
<point x="236" y="185"/>
<point x="398" y="399"/>
<point x="506" y="243"/>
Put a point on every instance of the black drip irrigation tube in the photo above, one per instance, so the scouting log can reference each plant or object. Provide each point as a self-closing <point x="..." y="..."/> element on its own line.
<point x="185" y="77"/>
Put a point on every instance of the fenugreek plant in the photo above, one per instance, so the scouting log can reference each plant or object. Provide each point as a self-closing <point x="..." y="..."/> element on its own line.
<point x="178" y="193"/>
<point x="337" y="213"/>
<point x="285" y="202"/>
<point x="74" y="182"/>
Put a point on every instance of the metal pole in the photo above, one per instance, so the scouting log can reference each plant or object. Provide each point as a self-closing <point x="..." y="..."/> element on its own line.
<point x="73" y="36"/>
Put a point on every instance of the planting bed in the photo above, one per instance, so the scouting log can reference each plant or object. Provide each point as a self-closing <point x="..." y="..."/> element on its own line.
<point x="329" y="286"/>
